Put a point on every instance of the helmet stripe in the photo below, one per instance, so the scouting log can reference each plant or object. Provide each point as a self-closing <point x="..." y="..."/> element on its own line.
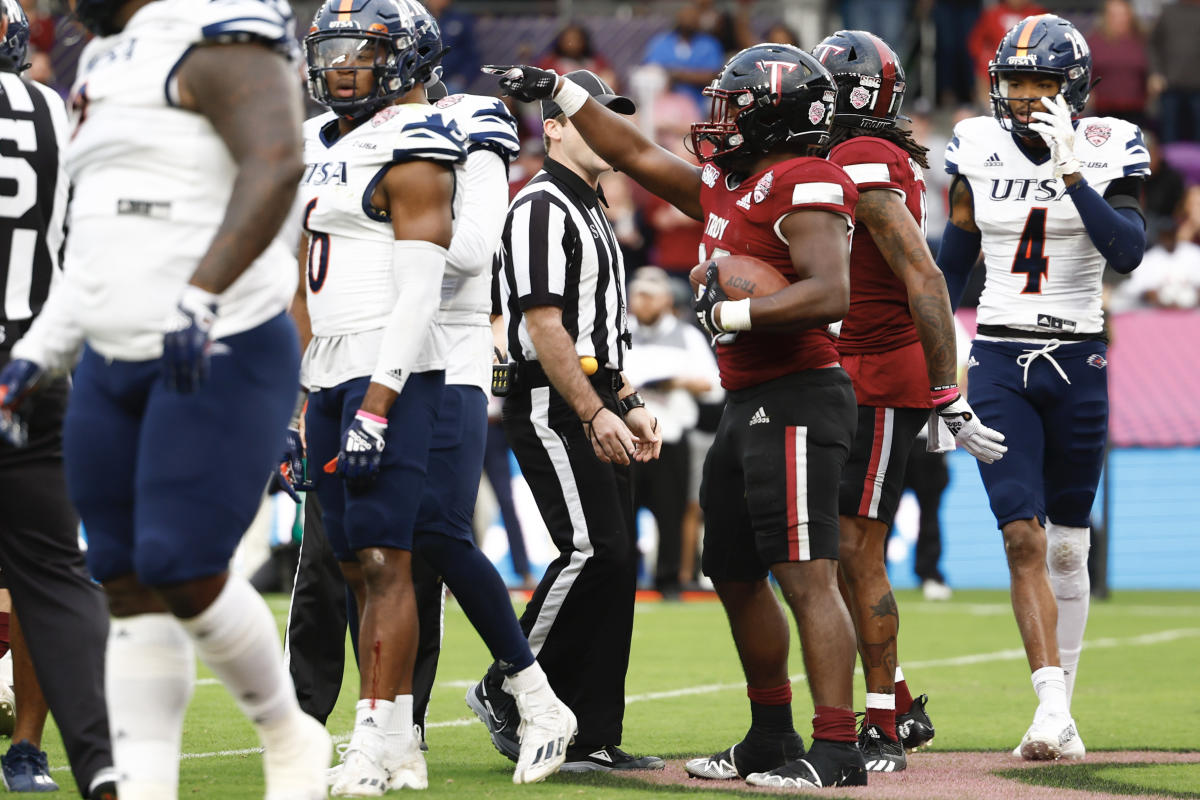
<point x="1026" y="34"/>
<point x="889" y="76"/>
<point x="344" y="9"/>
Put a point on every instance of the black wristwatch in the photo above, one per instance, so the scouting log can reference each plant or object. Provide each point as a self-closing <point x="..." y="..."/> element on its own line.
<point x="630" y="402"/>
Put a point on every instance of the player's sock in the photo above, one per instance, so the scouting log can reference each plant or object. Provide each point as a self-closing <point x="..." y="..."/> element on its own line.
<point x="399" y="723"/>
<point x="1051" y="690"/>
<point x="150" y="669"/>
<point x="770" y="713"/>
<point x="237" y="638"/>
<point x="483" y="596"/>
<point x="372" y="722"/>
<point x="1066" y="560"/>
<point x="904" y="698"/>
<point x="834" y="724"/>
<point x="881" y="711"/>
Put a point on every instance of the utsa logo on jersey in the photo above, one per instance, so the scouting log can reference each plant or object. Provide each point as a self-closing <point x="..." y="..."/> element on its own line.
<point x="319" y="174"/>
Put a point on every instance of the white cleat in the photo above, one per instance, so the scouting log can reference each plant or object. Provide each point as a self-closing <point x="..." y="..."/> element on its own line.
<point x="360" y="777"/>
<point x="547" y="726"/>
<point x="1051" y="738"/>
<point x="295" y="770"/>
<point x="406" y="766"/>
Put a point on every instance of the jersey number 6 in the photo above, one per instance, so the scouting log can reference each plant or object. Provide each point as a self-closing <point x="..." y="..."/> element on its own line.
<point x="316" y="278"/>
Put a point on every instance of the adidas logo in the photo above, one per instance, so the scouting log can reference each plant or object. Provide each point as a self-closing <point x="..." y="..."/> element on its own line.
<point x="993" y="161"/>
<point x="745" y="201"/>
<point x="971" y="362"/>
<point x="760" y="416"/>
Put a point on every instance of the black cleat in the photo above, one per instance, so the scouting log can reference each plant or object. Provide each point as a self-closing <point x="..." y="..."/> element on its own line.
<point x="497" y="710"/>
<point x="914" y="728"/>
<point x="746" y="757"/>
<point x="608" y="758"/>
<point x="881" y="752"/>
<point x="825" y="764"/>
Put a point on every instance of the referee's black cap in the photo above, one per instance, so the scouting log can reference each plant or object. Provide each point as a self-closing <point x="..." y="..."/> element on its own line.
<point x="597" y="88"/>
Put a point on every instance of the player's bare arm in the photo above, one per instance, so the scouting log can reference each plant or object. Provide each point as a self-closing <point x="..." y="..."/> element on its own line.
<point x="898" y="238"/>
<point x="820" y="251"/>
<point x="609" y="435"/>
<point x="418" y="196"/>
<point x="299" y="307"/>
<point x="249" y="94"/>
<point x="962" y="206"/>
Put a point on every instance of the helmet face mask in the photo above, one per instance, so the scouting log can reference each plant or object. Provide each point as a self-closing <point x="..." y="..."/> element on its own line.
<point x="1043" y="47"/>
<point x="767" y="96"/>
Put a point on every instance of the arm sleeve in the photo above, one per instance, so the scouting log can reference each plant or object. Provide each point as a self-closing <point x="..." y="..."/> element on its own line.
<point x="956" y="257"/>
<point x="417" y="269"/>
<point x="484" y="183"/>
<point x="539" y="254"/>
<point x="1118" y="233"/>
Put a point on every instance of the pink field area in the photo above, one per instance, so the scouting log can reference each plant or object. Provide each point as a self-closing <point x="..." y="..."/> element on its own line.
<point x="946" y="776"/>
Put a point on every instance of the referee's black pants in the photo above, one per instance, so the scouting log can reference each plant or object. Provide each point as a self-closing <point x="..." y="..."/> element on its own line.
<point x="63" y="613"/>
<point x="580" y="618"/>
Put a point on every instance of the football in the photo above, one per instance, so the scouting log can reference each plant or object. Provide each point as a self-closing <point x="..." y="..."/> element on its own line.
<point x="741" y="277"/>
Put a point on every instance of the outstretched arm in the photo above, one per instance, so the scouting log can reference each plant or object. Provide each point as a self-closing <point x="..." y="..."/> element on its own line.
<point x="899" y="239"/>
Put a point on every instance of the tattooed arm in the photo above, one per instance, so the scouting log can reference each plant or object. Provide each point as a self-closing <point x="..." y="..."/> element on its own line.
<point x="252" y="98"/>
<point x="900" y="241"/>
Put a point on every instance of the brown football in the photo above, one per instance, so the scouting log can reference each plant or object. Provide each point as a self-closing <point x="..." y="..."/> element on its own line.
<point x="741" y="276"/>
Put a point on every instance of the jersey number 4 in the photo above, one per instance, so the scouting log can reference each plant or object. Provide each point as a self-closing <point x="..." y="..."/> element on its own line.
<point x="1030" y="258"/>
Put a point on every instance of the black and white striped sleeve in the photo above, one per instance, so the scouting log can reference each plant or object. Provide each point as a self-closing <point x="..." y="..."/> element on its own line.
<point x="540" y="232"/>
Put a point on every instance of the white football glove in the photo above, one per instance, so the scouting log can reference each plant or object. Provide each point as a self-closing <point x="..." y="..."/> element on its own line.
<point x="978" y="439"/>
<point x="1054" y="126"/>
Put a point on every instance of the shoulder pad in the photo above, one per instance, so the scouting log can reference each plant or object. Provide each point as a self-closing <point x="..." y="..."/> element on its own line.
<point x="420" y="132"/>
<point x="969" y="135"/>
<point x="871" y="162"/>
<point x="269" y="22"/>
<point x="486" y="122"/>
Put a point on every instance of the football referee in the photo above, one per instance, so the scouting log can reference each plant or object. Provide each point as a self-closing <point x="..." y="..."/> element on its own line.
<point x="574" y="426"/>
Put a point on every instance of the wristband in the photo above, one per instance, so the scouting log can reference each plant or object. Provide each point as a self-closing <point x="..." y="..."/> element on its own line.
<point x="735" y="315"/>
<point x="367" y="415"/>
<point x="570" y="96"/>
<point x="629" y="402"/>
<point x="942" y="394"/>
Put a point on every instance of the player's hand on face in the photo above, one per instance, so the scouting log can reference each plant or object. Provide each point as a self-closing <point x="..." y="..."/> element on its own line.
<point x="1055" y="127"/>
<point x="18" y="378"/>
<point x="708" y="295"/>
<point x="523" y="82"/>
<point x="610" y="438"/>
<point x="976" y="438"/>
<point x="362" y="451"/>
<point x="187" y="344"/>
<point x="647" y="441"/>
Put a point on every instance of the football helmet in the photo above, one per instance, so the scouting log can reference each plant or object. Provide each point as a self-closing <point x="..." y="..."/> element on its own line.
<point x="429" y="43"/>
<point x="349" y="36"/>
<point x="98" y="16"/>
<point x="1042" y="45"/>
<point x="15" y="46"/>
<point x="869" y="77"/>
<point x="767" y="95"/>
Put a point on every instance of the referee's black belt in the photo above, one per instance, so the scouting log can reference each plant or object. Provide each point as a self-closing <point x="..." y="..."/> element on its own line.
<point x="530" y="375"/>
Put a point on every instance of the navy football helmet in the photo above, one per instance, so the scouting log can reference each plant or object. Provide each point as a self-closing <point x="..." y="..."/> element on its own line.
<point x="429" y="43"/>
<point x="98" y="16"/>
<point x="767" y="95"/>
<point x="1043" y="45"/>
<point x="869" y="76"/>
<point x="349" y="36"/>
<point x="15" y="46"/>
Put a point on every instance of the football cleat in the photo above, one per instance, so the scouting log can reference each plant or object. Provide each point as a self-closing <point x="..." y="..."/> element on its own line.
<point x="360" y="777"/>
<point x="406" y="765"/>
<point x="881" y="752"/>
<point x="609" y="758"/>
<point x="1050" y="738"/>
<point x="743" y="758"/>
<point x="8" y="710"/>
<point x="296" y="770"/>
<point x="547" y="727"/>
<point x="497" y="710"/>
<point x="26" y="769"/>
<point x="914" y="727"/>
<point x="825" y="764"/>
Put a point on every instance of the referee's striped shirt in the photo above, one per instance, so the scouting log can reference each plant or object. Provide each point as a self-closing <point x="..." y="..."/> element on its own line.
<point x="559" y="250"/>
<point x="33" y="208"/>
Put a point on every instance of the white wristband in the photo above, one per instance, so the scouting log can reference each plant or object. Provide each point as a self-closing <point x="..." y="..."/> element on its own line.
<point x="570" y="96"/>
<point x="735" y="315"/>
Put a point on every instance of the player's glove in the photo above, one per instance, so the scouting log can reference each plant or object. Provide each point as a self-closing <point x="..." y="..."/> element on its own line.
<point x="187" y="344"/>
<point x="1054" y="126"/>
<point x="362" y="450"/>
<point x="976" y="438"/>
<point x="522" y="82"/>
<point x="290" y="476"/>
<point x="708" y="295"/>
<point x="18" y="378"/>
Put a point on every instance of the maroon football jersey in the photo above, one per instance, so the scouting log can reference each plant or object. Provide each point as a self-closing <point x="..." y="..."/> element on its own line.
<point x="879" y="319"/>
<point x="744" y="220"/>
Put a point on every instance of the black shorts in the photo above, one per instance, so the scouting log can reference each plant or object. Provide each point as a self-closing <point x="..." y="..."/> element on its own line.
<point x="770" y="483"/>
<point x="873" y="478"/>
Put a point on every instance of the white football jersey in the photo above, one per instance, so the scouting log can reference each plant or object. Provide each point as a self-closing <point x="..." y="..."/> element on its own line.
<point x="1043" y="272"/>
<point x="350" y="281"/>
<point x="151" y="181"/>
<point x="467" y="302"/>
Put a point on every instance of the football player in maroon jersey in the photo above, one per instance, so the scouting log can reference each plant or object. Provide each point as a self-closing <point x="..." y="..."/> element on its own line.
<point x="770" y="481"/>
<point x="898" y="345"/>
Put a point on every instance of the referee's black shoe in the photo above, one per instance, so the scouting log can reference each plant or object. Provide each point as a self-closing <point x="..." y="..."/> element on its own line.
<point x="497" y="710"/>
<point x="608" y="758"/>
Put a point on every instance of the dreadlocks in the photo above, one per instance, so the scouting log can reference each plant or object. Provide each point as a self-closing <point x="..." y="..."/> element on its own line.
<point x="901" y="138"/>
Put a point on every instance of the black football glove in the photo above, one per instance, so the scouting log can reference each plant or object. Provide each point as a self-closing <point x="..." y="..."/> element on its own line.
<point x="523" y="82"/>
<point x="707" y="296"/>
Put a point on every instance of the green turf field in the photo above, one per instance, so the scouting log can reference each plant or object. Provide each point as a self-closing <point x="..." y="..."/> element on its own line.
<point x="1137" y="690"/>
